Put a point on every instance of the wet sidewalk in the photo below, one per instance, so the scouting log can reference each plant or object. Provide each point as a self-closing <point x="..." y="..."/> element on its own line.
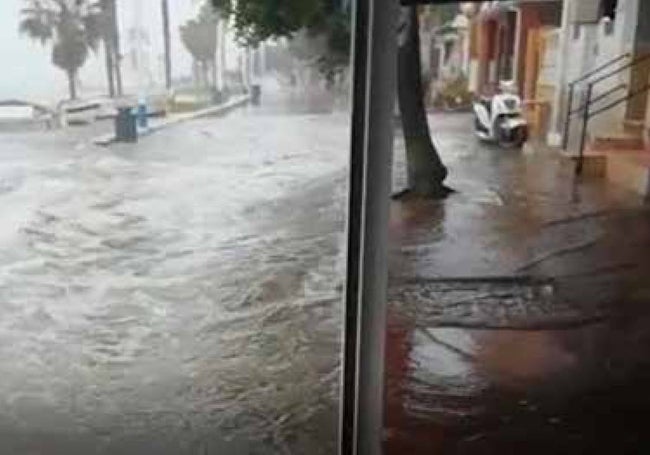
<point x="519" y="309"/>
<point x="157" y="124"/>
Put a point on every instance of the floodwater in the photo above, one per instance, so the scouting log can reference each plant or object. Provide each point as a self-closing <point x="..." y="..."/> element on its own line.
<point x="183" y="295"/>
<point x="518" y="317"/>
<point x="178" y="296"/>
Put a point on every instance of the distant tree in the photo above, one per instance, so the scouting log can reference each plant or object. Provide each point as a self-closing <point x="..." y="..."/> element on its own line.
<point x="258" y="20"/>
<point x="200" y="39"/>
<point x="71" y="26"/>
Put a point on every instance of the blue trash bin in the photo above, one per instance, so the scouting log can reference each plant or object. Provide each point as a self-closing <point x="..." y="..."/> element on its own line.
<point x="125" y="125"/>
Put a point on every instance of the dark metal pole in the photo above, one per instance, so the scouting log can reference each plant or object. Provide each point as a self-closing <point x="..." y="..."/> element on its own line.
<point x="347" y="443"/>
<point x="585" y="123"/>
<point x="567" y="121"/>
<point x="374" y="86"/>
<point x="167" y="44"/>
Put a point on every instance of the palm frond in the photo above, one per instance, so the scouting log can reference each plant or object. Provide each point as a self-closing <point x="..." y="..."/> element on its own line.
<point x="93" y="30"/>
<point x="36" y="29"/>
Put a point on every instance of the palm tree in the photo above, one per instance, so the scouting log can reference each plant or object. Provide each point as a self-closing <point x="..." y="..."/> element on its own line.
<point x="200" y="39"/>
<point x="73" y="28"/>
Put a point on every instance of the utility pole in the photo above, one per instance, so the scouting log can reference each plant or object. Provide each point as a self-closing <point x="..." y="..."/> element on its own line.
<point x="167" y="41"/>
<point x="107" y="38"/>
<point x="117" y="54"/>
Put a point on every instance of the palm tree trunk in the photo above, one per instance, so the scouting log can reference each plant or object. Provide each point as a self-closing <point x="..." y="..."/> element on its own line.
<point x="213" y="67"/>
<point x="109" y="68"/>
<point x="196" y="73"/>
<point x="72" y="85"/>
<point x="167" y="44"/>
<point x="425" y="169"/>
<point x="222" y="52"/>
<point x="205" y="71"/>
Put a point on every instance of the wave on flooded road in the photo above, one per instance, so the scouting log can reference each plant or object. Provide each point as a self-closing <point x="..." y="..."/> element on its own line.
<point x="181" y="295"/>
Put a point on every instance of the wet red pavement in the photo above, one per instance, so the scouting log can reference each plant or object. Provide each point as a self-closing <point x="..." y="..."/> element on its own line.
<point x="519" y="313"/>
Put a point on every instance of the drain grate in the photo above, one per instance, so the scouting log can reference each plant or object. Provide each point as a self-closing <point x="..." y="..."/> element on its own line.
<point x="517" y="303"/>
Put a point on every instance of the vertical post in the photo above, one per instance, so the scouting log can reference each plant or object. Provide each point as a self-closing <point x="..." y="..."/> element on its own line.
<point x="108" y="57"/>
<point x="117" y="57"/>
<point x="138" y="16"/>
<point x="585" y="122"/>
<point x="167" y="44"/>
<point x="374" y="86"/>
<point x="223" y="53"/>
<point x="567" y="119"/>
<point x="563" y="59"/>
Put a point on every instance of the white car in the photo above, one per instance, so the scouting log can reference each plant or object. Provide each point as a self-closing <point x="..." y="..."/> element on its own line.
<point x="86" y="111"/>
<point x="16" y="114"/>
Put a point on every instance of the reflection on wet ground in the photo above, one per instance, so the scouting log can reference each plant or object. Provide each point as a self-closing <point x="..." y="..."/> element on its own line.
<point x="519" y="310"/>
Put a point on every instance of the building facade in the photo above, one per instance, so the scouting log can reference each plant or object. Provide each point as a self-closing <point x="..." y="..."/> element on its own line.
<point x="545" y="45"/>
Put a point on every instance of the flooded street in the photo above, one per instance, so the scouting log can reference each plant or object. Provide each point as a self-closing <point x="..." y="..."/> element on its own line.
<point x="184" y="295"/>
<point x="519" y="314"/>
<point x="181" y="295"/>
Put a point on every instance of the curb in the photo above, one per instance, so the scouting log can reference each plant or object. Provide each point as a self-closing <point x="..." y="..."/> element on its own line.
<point x="107" y="139"/>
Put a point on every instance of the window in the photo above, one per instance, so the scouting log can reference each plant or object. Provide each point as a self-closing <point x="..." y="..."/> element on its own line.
<point x="608" y="9"/>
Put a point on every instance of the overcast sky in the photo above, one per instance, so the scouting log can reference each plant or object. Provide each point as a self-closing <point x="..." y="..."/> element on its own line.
<point x="27" y="72"/>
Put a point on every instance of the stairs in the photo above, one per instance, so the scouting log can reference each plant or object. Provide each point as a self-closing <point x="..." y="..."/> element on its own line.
<point x="630" y="170"/>
<point x="623" y="157"/>
<point x="612" y="142"/>
<point x="617" y="148"/>
<point x="634" y="126"/>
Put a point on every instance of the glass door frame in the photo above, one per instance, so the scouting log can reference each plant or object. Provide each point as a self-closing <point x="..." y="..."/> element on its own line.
<point x="374" y="85"/>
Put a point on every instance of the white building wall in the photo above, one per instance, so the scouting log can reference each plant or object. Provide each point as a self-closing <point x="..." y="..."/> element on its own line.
<point x="588" y="46"/>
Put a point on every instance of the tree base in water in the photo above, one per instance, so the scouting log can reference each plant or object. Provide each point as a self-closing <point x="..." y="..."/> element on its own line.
<point x="441" y="192"/>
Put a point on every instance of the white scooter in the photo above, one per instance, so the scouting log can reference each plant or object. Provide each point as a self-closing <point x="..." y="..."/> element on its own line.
<point x="500" y="118"/>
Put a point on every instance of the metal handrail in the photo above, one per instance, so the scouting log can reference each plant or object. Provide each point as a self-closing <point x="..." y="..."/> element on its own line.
<point x="571" y="111"/>
<point x="619" y="101"/>
<point x="600" y="68"/>
<point x="622" y="68"/>
<point x="600" y="97"/>
<point x="588" y="114"/>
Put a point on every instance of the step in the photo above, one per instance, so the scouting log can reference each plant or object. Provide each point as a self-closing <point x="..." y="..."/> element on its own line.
<point x="594" y="162"/>
<point x="612" y="142"/>
<point x="635" y="127"/>
<point x="630" y="169"/>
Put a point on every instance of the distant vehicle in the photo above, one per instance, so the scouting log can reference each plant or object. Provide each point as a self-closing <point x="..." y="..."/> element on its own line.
<point x="499" y="118"/>
<point x="23" y="115"/>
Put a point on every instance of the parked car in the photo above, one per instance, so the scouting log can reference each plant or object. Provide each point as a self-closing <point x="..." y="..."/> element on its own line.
<point x="79" y="112"/>
<point x="23" y="115"/>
